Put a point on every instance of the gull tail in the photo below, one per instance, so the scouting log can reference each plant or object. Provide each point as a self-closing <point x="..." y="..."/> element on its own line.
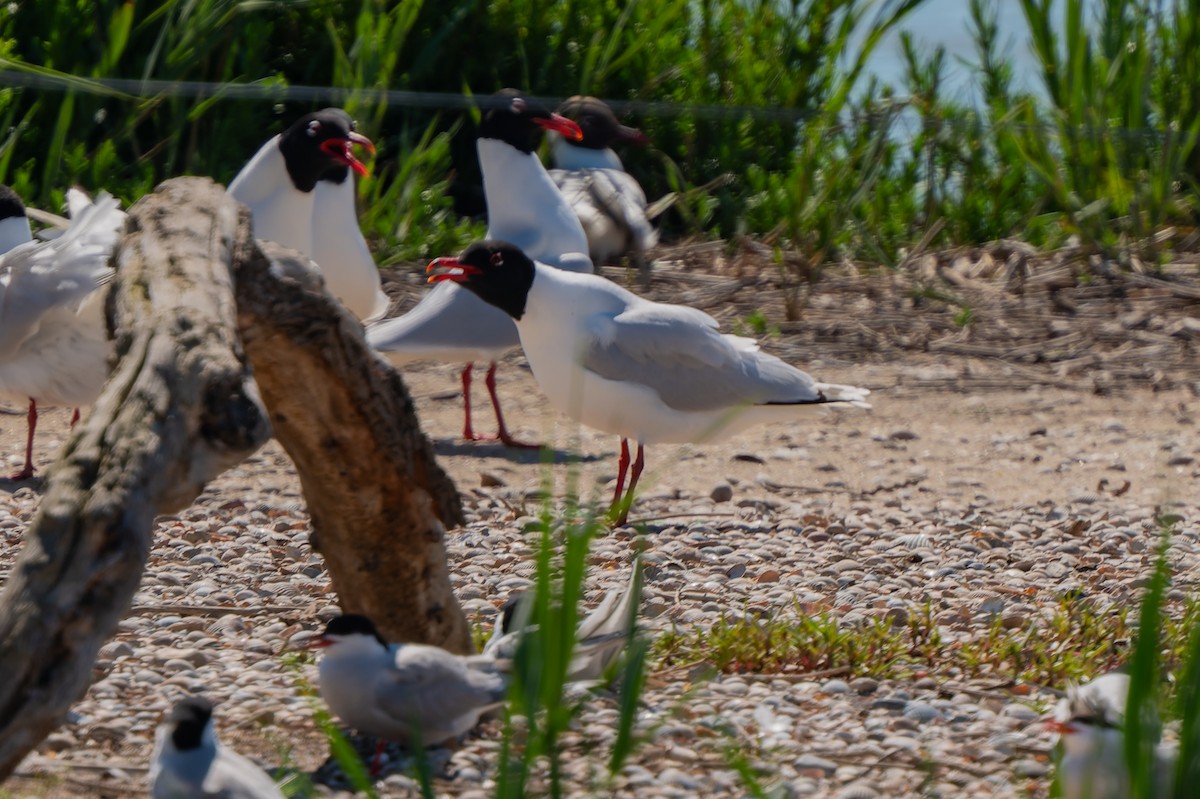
<point x="850" y="395"/>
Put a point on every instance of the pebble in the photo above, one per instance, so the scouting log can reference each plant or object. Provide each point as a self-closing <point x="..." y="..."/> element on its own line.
<point x="722" y="492"/>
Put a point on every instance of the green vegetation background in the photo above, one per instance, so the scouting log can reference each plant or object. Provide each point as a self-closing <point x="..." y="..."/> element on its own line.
<point x="1106" y="152"/>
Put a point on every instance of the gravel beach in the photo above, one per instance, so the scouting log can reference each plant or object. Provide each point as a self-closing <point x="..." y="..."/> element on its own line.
<point x="977" y="502"/>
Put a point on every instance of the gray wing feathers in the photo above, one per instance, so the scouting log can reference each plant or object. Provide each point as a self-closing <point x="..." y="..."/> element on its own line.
<point x="678" y="353"/>
<point x="430" y="686"/>
<point x="447" y="317"/>
<point x="236" y="777"/>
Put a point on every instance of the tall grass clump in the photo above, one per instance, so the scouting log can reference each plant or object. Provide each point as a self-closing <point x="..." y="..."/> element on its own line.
<point x="768" y="108"/>
<point x="540" y="709"/>
<point x="1125" y="119"/>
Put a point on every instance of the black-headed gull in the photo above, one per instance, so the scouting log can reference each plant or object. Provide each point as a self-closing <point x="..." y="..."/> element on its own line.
<point x="648" y="371"/>
<point x="53" y="342"/>
<point x="1090" y="723"/>
<point x="523" y="206"/>
<point x="609" y="201"/>
<point x="300" y="191"/>
<point x="190" y="763"/>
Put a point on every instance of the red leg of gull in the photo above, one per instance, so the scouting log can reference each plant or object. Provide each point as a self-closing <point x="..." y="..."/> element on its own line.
<point x="622" y="468"/>
<point x="31" y="422"/>
<point x="504" y="436"/>
<point x="75" y="418"/>
<point x="634" y="473"/>
<point x="376" y="762"/>
<point x="468" y="432"/>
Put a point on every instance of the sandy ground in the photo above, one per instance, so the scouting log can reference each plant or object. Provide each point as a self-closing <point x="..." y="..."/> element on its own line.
<point x="921" y="450"/>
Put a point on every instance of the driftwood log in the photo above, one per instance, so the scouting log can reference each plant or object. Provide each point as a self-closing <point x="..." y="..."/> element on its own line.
<point x="379" y="502"/>
<point x="179" y="408"/>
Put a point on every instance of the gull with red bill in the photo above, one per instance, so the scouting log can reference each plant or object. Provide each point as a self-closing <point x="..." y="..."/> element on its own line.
<point x="300" y="191"/>
<point x="523" y="206"/>
<point x="647" y="371"/>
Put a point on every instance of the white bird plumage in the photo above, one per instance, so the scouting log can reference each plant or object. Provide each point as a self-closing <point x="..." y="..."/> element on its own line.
<point x="523" y="206"/>
<point x="299" y="188"/>
<point x="54" y="346"/>
<point x="189" y="762"/>
<point x="403" y="692"/>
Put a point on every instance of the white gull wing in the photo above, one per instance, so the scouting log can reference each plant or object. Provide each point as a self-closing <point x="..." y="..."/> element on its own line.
<point x="281" y="212"/>
<point x="524" y="208"/>
<point x="39" y="277"/>
<point x="678" y="353"/>
<point x="613" y="361"/>
<point x="53" y="342"/>
<point x="341" y="252"/>
<point x="600" y="637"/>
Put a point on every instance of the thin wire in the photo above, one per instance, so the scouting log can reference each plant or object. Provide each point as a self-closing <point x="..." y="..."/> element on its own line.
<point x="135" y="88"/>
<point x="131" y="88"/>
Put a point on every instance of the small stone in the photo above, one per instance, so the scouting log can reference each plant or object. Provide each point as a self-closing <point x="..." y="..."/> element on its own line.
<point x="865" y="685"/>
<point x="836" y="687"/>
<point x="805" y="764"/>
<point x="491" y="480"/>
<point x="921" y="712"/>
<point x="768" y="576"/>
<point x="115" y="649"/>
<point x="722" y="492"/>
<point x="673" y="776"/>
<point x="1020" y="712"/>
<point x="903" y="435"/>
<point x="1031" y="768"/>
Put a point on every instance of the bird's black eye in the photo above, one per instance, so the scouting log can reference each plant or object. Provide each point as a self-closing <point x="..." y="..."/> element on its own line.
<point x="497" y="259"/>
<point x="518" y="105"/>
<point x="314" y="128"/>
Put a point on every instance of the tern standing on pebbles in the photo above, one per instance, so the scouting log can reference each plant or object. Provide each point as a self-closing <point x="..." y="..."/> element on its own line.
<point x="523" y="206"/>
<point x="300" y="192"/>
<point x="53" y="343"/>
<point x="190" y="763"/>
<point x="647" y="371"/>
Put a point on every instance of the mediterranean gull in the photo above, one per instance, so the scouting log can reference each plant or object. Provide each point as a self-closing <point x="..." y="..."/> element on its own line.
<point x="609" y="201"/>
<point x="648" y="371"/>
<point x="300" y="193"/>
<point x="523" y="206"/>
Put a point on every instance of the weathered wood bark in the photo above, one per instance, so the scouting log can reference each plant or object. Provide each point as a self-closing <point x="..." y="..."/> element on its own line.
<point x="378" y="499"/>
<point x="178" y="409"/>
